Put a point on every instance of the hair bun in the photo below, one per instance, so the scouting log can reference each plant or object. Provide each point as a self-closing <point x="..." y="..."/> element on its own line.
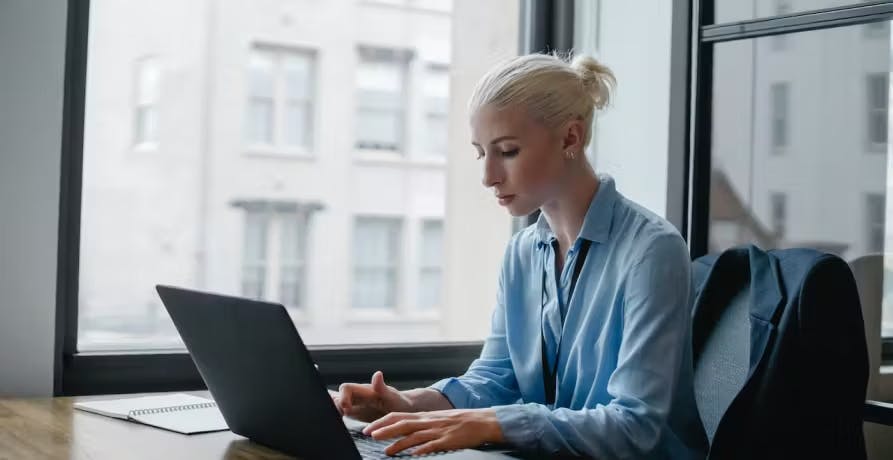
<point x="597" y="79"/>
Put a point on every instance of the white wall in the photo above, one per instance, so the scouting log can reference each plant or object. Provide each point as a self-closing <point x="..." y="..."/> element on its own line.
<point x="630" y="140"/>
<point x="32" y="57"/>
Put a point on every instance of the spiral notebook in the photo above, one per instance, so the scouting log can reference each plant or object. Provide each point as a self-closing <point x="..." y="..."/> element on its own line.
<point x="177" y="412"/>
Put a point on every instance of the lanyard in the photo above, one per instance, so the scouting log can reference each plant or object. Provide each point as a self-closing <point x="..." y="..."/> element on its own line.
<point x="550" y="374"/>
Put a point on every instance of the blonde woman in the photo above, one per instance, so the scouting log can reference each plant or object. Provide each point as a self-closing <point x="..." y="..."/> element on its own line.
<point x="589" y="350"/>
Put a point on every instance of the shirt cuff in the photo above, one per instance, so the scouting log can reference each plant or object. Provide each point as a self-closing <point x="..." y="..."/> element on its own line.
<point x="518" y="425"/>
<point x="459" y="395"/>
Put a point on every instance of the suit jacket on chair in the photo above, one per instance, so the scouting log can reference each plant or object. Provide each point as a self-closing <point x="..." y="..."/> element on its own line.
<point x="807" y="368"/>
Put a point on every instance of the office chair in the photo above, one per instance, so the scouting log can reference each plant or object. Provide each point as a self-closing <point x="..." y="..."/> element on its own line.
<point x="737" y="397"/>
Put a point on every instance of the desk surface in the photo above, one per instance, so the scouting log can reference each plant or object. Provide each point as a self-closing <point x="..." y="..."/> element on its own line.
<point x="51" y="428"/>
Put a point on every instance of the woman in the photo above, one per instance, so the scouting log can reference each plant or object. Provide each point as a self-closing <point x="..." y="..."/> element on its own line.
<point x="589" y="348"/>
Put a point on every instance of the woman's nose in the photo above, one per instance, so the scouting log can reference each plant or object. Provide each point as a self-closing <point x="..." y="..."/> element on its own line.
<point x="492" y="173"/>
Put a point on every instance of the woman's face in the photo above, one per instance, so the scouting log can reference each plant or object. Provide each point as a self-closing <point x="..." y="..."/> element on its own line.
<point x="522" y="159"/>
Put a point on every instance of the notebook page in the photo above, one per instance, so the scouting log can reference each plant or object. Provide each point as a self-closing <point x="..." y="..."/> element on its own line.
<point x="119" y="408"/>
<point x="187" y="421"/>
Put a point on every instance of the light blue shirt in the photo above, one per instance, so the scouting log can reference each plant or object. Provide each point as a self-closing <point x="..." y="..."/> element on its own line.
<point x="624" y="380"/>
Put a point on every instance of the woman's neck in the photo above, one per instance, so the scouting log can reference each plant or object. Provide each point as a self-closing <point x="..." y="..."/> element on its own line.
<point x="566" y="213"/>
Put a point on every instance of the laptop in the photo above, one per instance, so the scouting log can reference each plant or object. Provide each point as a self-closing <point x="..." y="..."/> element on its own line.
<point x="264" y="381"/>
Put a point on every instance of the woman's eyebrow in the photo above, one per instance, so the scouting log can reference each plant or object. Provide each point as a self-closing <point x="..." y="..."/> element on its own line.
<point x="497" y="140"/>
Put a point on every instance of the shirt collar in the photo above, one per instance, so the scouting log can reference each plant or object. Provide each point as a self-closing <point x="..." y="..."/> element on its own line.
<point x="597" y="223"/>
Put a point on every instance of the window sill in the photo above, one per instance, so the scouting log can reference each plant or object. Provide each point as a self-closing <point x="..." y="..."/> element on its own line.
<point x="281" y="154"/>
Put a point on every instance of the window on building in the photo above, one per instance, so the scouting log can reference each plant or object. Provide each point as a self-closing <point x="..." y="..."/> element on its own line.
<point x="780" y="106"/>
<point x="381" y="99"/>
<point x="437" y="94"/>
<point x="875" y="213"/>
<point x="274" y="251"/>
<point x="779" y="208"/>
<point x="148" y="92"/>
<point x="376" y="262"/>
<point x="877" y="103"/>
<point x="431" y="265"/>
<point x="780" y="42"/>
<point x="280" y="93"/>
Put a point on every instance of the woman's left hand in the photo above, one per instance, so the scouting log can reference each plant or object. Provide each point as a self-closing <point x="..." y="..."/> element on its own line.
<point x="437" y="431"/>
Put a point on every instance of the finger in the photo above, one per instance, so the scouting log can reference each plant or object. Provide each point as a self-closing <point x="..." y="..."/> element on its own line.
<point x="378" y="384"/>
<point x="419" y="437"/>
<point x="402" y="428"/>
<point x="351" y="391"/>
<point x="387" y="420"/>
<point x="435" y="445"/>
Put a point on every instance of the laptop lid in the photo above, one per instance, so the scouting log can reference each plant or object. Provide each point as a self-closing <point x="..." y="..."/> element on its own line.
<point x="259" y="372"/>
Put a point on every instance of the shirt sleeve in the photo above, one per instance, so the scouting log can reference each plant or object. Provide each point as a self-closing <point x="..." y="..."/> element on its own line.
<point x="655" y="325"/>
<point x="490" y="380"/>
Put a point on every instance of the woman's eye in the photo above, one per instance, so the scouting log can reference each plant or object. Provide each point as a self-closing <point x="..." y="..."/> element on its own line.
<point x="510" y="153"/>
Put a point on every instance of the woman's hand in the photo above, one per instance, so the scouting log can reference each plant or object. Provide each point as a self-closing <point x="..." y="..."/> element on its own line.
<point x="370" y="401"/>
<point x="437" y="431"/>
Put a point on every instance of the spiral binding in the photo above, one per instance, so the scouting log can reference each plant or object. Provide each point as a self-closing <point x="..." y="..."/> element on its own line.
<point x="164" y="410"/>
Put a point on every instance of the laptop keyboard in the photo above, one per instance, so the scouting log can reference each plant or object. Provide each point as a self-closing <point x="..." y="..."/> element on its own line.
<point x="372" y="449"/>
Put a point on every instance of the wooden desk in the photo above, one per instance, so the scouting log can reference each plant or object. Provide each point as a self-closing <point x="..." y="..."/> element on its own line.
<point x="50" y="428"/>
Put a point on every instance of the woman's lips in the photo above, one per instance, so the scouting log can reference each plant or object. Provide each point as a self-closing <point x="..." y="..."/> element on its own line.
<point x="505" y="199"/>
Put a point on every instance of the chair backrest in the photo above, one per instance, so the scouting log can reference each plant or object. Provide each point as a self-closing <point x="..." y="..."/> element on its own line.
<point x="868" y="270"/>
<point x="721" y="363"/>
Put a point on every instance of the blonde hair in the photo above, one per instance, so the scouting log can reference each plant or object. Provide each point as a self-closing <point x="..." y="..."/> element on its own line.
<point x="553" y="88"/>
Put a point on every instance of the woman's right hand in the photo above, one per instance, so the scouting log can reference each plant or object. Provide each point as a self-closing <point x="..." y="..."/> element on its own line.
<point x="370" y="401"/>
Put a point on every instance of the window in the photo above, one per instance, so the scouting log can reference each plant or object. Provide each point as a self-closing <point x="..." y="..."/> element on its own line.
<point x="779" y="207"/>
<point x="877" y="103"/>
<point x="254" y="254"/>
<point x="877" y="30"/>
<point x="274" y="251"/>
<point x="280" y="92"/>
<point x="293" y="248"/>
<point x="431" y="265"/>
<point x="437" y="93"/>
<point x="222" y="206"/>
<point x="841" y="192"/>
<point x="780" y="94"/>
<point x="780" y="42"/>
<point x="148" y="91"/>
<point x="381" y="82"/>
<point x="875" y="212"/>
<point x="376" y="248"/>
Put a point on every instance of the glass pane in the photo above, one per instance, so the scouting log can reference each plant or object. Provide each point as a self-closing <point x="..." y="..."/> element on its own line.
<point x="742" y="10"/>
<point x="146" y="124"/>
<point x="429" y="289"/>
<point x="148" y="81"/>
<point x="260" y="74"/>
<point x="376" y="245"/>
<point x="298" y="70"/>
<point x="260" y="121"/>
<point x="237" y="79"/>
<point x="379" y="129"/>
<point x="796" y="160"/>
<point x="297" y="124"/>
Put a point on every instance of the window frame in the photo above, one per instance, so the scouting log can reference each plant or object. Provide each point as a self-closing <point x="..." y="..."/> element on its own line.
<point x="543" y="25"/>
<point x="140" y="101"/>
<point x="280" y="102"/>
<point x="395" y="266"/>
<point x="693" y="142"/>
<point x="872" y="111"/>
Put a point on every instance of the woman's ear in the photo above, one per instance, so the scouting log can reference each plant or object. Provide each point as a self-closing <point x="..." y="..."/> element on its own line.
<point x="573" y="136"/>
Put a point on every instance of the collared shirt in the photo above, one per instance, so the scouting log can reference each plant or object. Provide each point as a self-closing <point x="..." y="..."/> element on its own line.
<point x="622" y="340"/>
